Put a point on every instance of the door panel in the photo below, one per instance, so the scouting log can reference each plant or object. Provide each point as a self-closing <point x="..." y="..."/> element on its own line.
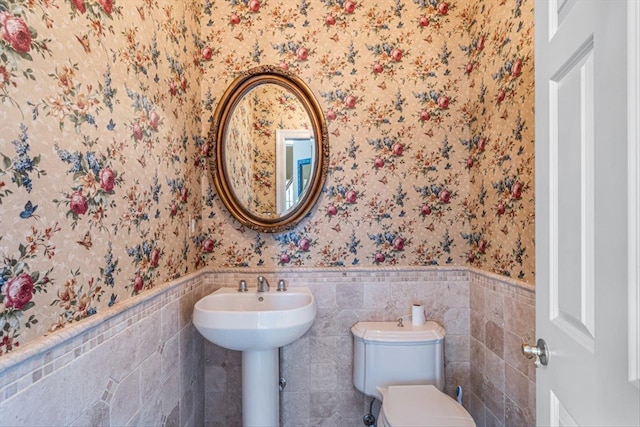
<point x="582" y="227"/>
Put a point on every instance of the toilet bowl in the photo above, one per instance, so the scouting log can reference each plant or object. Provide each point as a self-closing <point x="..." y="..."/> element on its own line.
<point x="420" y="406"/>
<point x="403" y="367"/>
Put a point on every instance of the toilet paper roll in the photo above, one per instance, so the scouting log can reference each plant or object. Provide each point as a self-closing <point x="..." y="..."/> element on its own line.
<point x="417" y="315"/>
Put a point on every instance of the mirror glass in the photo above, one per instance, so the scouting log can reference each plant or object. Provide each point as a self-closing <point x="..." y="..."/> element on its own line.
<point x="271" y="150"/>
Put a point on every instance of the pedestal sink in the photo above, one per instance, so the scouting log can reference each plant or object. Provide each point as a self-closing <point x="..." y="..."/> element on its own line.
<point x="257" y="324"/>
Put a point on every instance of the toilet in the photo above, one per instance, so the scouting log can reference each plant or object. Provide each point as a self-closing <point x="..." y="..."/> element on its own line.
<point x="402" y="365"/>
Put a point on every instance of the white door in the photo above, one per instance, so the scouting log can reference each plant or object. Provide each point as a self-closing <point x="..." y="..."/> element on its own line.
<point x="584" y="225"/>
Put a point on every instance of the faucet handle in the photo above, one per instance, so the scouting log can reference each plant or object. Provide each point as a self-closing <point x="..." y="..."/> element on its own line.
<point x="282" y="286"/>
<point x="242" y="286"/>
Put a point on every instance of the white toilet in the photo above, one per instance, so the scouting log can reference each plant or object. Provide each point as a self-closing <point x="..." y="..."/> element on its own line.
<point x="403" y="367"/>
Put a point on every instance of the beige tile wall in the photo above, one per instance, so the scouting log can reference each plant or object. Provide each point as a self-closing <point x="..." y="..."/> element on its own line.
<point x="159" y="371"/>
<point x="318" y="366"/>
<point x="502" y="379"/>
<point x="138" y="363"/>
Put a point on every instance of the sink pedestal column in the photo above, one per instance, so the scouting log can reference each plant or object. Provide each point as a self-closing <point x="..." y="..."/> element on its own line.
<point x="260" y="388"/>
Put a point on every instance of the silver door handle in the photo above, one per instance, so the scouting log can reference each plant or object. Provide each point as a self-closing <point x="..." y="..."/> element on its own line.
<point x="539" y="352"/>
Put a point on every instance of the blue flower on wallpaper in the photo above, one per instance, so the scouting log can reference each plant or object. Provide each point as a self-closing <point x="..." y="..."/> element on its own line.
<point x="139" y="102"/>
<point x="108" y="92"/>
<point x="74" y="159"/>
<point x="110" y="268"/>
<point x="22" y="165"/>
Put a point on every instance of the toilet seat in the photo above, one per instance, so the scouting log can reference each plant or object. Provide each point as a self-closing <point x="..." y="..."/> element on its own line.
<point x="421" y="406"/>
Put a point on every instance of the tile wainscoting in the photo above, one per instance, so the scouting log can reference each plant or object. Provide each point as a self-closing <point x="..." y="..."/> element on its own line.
<point x="138" y="363"/>
<point x="503" y="389"/>
<point x="143" y="363"/>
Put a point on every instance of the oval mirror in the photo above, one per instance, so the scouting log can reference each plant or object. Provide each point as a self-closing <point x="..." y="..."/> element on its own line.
<point x="271" y="149"/>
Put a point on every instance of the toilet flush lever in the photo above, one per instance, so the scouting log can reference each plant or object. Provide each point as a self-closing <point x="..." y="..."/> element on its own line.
<point x="539" y="352"/>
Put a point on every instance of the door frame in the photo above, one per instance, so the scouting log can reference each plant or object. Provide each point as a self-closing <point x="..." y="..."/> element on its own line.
<point x="633" y="135"/>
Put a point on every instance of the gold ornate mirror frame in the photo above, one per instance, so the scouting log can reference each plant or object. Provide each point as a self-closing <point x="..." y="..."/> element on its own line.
<point x="241" y="86"/>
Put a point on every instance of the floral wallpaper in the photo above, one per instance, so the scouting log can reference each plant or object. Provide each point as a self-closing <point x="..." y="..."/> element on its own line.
<point x="239" y="153"/>
<point x="105" y="106"/>
<point x="430" y="112"/>
<point x="99" y="147"/>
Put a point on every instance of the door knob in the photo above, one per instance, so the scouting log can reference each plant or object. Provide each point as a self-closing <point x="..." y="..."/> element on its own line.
<point x="539" y="352"/>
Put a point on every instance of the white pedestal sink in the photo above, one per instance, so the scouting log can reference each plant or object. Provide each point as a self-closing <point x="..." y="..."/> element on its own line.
<point x="257" y="324"/>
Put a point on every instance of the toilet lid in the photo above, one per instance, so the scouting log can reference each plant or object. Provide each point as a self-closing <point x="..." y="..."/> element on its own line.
<point x="422" y="405"/>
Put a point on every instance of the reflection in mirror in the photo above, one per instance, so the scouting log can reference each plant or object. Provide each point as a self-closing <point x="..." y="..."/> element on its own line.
<point x="271" y="154"/>
<point x="294" y="158"/>
<point x="252" y="146"/>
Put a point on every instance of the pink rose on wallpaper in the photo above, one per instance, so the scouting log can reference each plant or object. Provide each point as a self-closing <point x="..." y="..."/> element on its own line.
<point x="443" y="102"/>
<point x="425" y="210"/>
<point x="254" y="5"/>
<point x="137" y="131"/>
<point x="107" y="6"/>
<point x="482" y="246"/>
<point x="330" y="20"/>
<point x="423" y="21"/>
<point x="444" y="196"/>
<point x="500" y="96"/>
<point x="154" y="257"/>
<point x="302" y="53"/>
<point x="349" y="6"/>
<point x="234" y="19"/>
<point x="397" y="149"/>
<point x="207" y="245"/>
<point x="154" y="119"/>
<point x="469" y="162"/>
<point x="398" y="243"/>
<point x="206" y="53"/>
<point x="425" y="116"/>
<point x="138" y="283"/>
<point x="284" y="66"/>
<point x="480" y="43"/>
<point x="107" y="180"/>
<point x="482" y="144"/>
<point x="443" y="8"/>
<point x="173" y="209"/>
<point x="332" y="210"/>
<point x="172" y="88"/>
<point x="350" y="101"/>
<point x="500" y="209"/>
<point x="516" y="68"/>
<point x="78" y="203"/>
<point x="79" y="5"/>
<point x="351" y="196"/>
<point x="396" y="54"/>
<point x="516" y="191"/>
<point x="284" y="258"/>
<point x="184" y="195"/>
<point x="377" y="68"/>
<point x="378" y="162"/>
<point x="15" y="32"/>
<point x="331" y="115"/>
<point x="183" y="82"/>
<point x="304" y="245"/>
<point x="468" y="68"/>
<point x="470" y="257"/>
<point x="18" y="291"/>
<point x="205" y="150"/>
<point x="379" y="257"/>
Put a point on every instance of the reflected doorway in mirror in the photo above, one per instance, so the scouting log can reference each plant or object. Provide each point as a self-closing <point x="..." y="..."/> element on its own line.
<point x="294" y="156"/>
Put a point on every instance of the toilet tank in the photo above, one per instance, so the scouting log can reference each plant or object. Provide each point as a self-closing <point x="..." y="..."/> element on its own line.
<point x="385" y="353"/>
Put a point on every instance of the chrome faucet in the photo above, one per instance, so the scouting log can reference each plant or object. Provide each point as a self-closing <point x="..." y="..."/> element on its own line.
<point x="263" y="285"/>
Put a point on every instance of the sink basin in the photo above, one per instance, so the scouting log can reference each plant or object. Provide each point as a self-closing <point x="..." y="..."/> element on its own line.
<point x="254" y="320"/>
